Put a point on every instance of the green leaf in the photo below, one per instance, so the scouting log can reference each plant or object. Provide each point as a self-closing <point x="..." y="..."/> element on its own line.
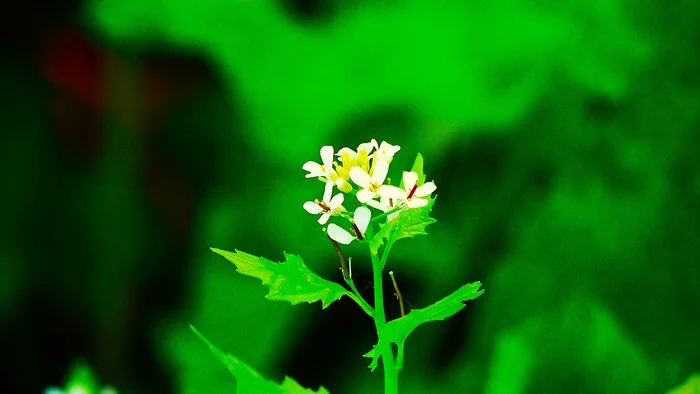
<point x="418" y="169"/>
<point x="250" y="381"/>
<point x="290" y="280"/>
<point x="290" y="386"/>
<point x="396" y="331"/>
<point x="690" y="386"/>
<point x="409" y="223"/>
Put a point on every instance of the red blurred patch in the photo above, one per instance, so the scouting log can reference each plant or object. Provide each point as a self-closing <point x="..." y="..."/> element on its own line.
<point x="75" y="63"/>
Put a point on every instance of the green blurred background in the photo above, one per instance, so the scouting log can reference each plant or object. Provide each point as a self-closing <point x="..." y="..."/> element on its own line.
<point x="562" y="136"/>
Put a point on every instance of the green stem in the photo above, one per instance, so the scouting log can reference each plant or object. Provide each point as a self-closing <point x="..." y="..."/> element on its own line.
<point x="399" y="357"/>
<point x="357" y="297"/>
<point x="391" y="382"/>
<point x="385" y="214"/>
<point x="385" y="255"/>
<point x="347" y="275"/>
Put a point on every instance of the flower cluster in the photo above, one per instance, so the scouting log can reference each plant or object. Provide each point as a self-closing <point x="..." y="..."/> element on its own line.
<point x="362" y="173"/>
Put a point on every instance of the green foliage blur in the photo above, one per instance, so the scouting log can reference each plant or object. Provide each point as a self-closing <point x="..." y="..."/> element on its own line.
<point x="562" y="136"/>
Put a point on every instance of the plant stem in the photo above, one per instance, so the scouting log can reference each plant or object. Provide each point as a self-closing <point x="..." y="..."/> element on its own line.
<point x="385" y="214"/>
<point x="359" y="299"/>
<point x="391" y="382"/>
<point x="399" y="358"/>
<point x="343" y="267"/>
<point x="385" y="255"/>
<point x="398" y="293"/>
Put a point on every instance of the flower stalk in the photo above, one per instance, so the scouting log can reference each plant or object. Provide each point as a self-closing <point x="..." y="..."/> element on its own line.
<point x="363" y="174"/>
<point x="391" y="378"/>
<point x="360" y="174"/>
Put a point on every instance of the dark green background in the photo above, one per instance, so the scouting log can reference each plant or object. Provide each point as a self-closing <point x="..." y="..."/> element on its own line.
<point x="562" y="136"/>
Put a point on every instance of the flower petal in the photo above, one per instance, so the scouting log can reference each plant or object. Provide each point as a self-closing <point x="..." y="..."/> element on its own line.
<point x="312" y="208"/>
<point x="410" y="179"/>
<point x="380" y="205"/>
<point x="339" y="235"/>
<point x="336" y="201"/>
<point x="388" y="191"/>
<point x="389" y="202"/>
<point x="381" y="169"/>
<point x="361" y="217"/>
<point x="365" y="195"/>
<point x="425" y="190"/>
<point x="324" y="218"/>
<point x="417" y="203"/>
<point x="394" y="149"/>
<point x="327" y="191"/>
<point x="346" y="150"/>
<point x="367" y="146"/>
<point x="387" y="150"/>
<point x="313" y="168"/>
<point x="327" y="157"/>
<point x="360" y="177"/>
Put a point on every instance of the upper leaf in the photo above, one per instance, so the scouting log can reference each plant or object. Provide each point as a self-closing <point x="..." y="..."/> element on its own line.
<point x="290" y="280"/>
<point x="250" y="381"/>
<point x="409" y="223"/>
<point x="418" y="169"/>
<point x="396" y="331"/>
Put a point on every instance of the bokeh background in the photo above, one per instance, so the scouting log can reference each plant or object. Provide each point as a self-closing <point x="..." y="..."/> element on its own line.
<point x="562" y="135"/>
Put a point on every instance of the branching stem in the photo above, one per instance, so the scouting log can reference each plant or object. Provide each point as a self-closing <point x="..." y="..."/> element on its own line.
<point x="391" y="382"/>
<point x="385" y="214"/>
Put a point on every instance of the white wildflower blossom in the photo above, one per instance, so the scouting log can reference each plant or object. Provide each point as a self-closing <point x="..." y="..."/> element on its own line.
<point x="361" y="219"/>
<point x="346" y="154"/>
<point x="384" y="151"/>
<point x="372" y="185"/>
<point x="413" y="195"/>
<point x="328" y="207"/>
<point x="324" y="170"/>
<point x="349" y="159"/>
<point x="386" y="204"/>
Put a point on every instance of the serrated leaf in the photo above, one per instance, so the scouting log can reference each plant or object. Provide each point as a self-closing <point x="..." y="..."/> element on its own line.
<point x="250" y="381"/>
<point x="290" y="281"/>
<point x="409" y="223"/>
<point x="290" y="386"/>
<point x="396" y="331"/>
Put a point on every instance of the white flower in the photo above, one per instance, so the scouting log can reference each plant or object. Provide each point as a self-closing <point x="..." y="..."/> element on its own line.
<point x="372" y="185"/>
<point x="386" y="204"/>
<point x="321" y="170"/>
<point x="351" y="154"/>
<point x="349" y="159"/>
<point x="411" y="193"/>
<point x="384" y="151"/>
<point x="361" y="219"/>
<point x="328" y="207"/>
